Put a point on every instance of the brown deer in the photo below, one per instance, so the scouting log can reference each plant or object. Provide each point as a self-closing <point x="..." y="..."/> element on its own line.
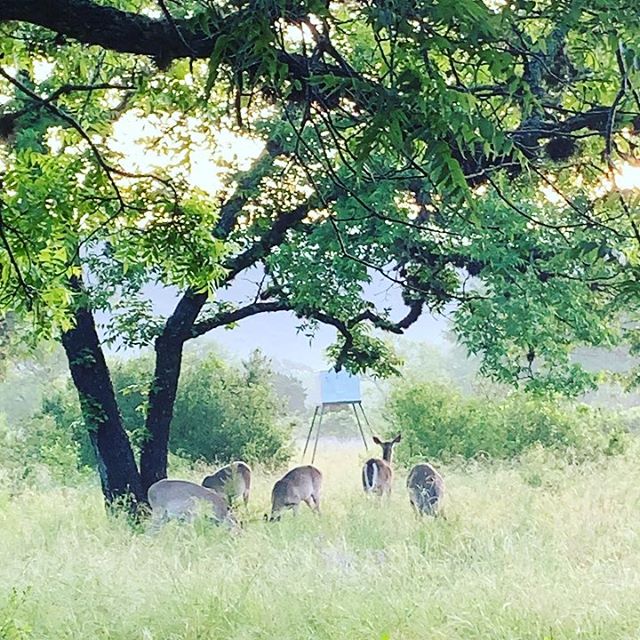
<point x="301" y="484"/>
<point x="232" y="481"/>
<point x="426" y="490"/>
<point x="182" y="499"/>
<point x="377" y="474"/>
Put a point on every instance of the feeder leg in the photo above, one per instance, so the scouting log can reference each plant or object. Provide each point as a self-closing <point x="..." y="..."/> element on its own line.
<point x="315" y="446"/>
<point x="360" y="426"/>
<point x="306" y="444"/>
<point x="364" y="415"/>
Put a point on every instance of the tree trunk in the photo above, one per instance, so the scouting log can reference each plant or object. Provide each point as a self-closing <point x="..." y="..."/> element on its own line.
<point x="164" y="387"/>
<point x="162" y="396"/>
<point x="116" y="463"/>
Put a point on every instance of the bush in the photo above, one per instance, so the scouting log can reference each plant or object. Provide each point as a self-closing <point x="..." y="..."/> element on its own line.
<point x="224" y="413"/>
<point x="38" y="448"/>
<point x="438" y="422"/>
<point x="221" y="412"/>
<point x="61" y="407"/>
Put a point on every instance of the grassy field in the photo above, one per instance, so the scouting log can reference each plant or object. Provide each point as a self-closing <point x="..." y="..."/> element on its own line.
<point x="533" y="550"/>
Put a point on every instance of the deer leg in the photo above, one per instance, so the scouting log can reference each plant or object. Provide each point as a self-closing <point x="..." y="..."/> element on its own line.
<point x="157" y="520"/>
<point x="313" y="503"/>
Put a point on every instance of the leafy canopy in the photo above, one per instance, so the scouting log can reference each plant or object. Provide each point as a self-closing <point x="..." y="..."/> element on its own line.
<point x="477" y="156"/>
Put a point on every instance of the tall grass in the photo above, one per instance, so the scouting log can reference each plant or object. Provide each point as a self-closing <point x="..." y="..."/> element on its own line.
<point x="538" y="549"/>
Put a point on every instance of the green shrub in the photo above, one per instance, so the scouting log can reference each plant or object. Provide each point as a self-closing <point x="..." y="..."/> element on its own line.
<point x="222" y="412"/>
<point x="438" y="422"/>
<point x="61" y="406"/>
<point x="38" y="447"/>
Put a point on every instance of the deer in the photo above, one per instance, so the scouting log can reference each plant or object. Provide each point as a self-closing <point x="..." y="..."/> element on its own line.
<point x="301" y="484"/>
<point x="182" y="499"/>
<point x="232" y="481"/>
<point x="377" y="474"/>
<point x="426" y="490"/>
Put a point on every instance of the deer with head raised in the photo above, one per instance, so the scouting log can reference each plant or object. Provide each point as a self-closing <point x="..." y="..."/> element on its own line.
<point x="377" y="474"/>
<point x="184" y="500"/>
<point x="301" y="484"/>
<point x="426" y="489"/>
<point x="232" y="481"/>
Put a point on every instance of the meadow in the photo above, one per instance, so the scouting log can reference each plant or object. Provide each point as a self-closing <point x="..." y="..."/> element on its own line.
<point x="532" y="549"/>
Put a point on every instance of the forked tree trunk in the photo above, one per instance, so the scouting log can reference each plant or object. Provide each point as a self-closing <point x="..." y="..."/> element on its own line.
<point x="116" y="462"/>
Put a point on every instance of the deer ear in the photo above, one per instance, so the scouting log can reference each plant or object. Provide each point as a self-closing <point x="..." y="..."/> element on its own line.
<point x="398" y="438"/>
<point x="376" y="440"/>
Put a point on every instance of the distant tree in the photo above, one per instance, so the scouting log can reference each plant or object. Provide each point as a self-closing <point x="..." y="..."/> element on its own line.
<point x="5" y="341"/>
<point x="286" y="387"/>
<point x="291" y="390"/>
<point x="257" y="368"/>
<point x="472" y="154"/>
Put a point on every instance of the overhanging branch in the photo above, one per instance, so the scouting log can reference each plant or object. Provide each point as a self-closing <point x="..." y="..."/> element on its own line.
<point x="229" y="317"/>
<point x="111" y="28"/>
<point x="271" y="239"/>
<point x="126" y="32"/>
<point x="167" y="39"/>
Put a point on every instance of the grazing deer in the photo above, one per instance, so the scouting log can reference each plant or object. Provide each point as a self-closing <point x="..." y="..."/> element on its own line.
<point x="426" y="490"/>
<point x="301" y="484"/>
<point x="377" y="474"/>
<point x="183" y="499"/>
<point x="232" y="481"/>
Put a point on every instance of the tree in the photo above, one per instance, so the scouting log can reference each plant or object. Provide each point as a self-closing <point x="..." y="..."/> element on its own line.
<point x="6" y="327"/>
<point x="222" y="412"/>
<point x="473" y="154"/>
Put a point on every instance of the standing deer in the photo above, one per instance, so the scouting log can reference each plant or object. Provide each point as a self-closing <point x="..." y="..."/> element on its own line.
<point x="232" y="481"/>
<point x="301" y="484"/>
<point x="183" y="499"/>
<point x="426" y="490"/>
<point x="377" y="474"/>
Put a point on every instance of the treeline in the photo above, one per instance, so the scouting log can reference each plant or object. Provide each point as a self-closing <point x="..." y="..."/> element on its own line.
<point x="248" y="410"/>
<point x="223" y="411"/>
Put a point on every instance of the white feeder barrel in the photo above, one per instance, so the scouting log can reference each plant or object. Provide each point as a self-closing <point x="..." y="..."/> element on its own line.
<point x="334" y="390"/>
<point x="338" y="387"/>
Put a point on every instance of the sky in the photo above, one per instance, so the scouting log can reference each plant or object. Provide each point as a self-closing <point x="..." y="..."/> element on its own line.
<point x="277" y="334"/>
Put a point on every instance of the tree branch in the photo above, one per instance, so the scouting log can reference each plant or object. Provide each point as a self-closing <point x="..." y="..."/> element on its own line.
<point x="271" y="239"/>
<point x="228" y="317"/>
<point x="127" y="32"/>
<point x="246" y="183"/>
<point x="110" y="28"/>
<point x="415" y="311"/>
